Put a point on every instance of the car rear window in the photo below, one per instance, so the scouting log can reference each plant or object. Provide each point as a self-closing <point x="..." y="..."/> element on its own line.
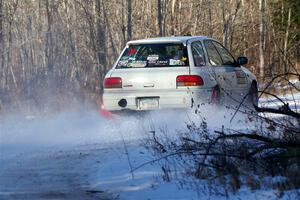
<point x="154" y="55"/>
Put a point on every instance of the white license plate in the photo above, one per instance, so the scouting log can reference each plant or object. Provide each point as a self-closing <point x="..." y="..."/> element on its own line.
<point x="148" y="103"/>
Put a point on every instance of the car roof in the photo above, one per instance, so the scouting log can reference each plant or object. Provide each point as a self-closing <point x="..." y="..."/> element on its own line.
<point x="173" y="39"/>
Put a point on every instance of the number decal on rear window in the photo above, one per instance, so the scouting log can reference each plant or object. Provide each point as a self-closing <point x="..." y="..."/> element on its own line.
<point x="154" y="55"/>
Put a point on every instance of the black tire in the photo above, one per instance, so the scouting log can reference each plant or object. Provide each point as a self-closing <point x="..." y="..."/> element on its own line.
<point x="253" y="95"/>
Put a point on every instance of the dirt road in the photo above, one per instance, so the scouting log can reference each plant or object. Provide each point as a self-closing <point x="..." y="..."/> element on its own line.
<point x="51" y="174"/>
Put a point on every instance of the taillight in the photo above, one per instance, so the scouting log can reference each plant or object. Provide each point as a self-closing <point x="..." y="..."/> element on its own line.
<point x="113" y="82"/>
<point x="189" y="80"/>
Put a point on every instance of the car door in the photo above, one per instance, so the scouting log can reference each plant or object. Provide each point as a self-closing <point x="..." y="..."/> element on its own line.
<point x="200" y="66"/>
<point x="228" y="61"/>
<point x="231" y="79"/>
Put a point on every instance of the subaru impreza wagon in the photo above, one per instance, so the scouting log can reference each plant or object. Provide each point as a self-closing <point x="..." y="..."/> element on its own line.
<point x="176" y="72"/>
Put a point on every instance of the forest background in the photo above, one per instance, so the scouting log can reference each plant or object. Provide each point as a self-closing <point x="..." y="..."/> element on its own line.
<point x="54" y="53"/>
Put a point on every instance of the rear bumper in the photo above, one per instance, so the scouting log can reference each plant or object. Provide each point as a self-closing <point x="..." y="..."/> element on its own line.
<point x="179" y="99"/>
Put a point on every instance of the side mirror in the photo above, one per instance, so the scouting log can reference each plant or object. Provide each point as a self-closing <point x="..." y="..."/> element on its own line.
<point x="242" y="60"/>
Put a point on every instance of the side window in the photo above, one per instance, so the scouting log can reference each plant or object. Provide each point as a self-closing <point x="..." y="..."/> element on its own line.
<point x="213" y="55"/>
<point x="198" y="54"/>
<point x="225" y="55"/>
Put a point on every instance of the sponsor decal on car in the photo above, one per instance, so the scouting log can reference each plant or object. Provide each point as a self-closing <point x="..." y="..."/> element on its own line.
<point x="123" y="63"/>
<point x="138" y="63"/>
<point x="131" y="51"/>
<point x="241" y="77"/>
<point x="176" y="62"/>
<point x="158" y="63"/>
<point x="153" y="57"/>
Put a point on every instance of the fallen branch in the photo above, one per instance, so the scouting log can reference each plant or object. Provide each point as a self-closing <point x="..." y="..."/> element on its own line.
<point x="275" y="142"/>
<point x="285" y="110"/>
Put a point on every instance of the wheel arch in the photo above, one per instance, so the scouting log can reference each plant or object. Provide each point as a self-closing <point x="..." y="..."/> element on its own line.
<point x="254" y="82"/>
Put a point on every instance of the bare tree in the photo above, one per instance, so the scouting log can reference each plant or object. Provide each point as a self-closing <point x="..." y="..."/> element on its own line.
<point x="261" y="38"/>
<point x="79" y="40"/>
<point x="49" y="50"/>
<point x="2" y="72"/>
<point x="129" y="22"/>
<point x="159" y="17"/>
<point x="287" y="37"/>
<point x="228" y="22"/>
<point x="101" y="47"/>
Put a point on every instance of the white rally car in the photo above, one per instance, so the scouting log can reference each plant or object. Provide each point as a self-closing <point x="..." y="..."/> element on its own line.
<point x="176" y="72"/>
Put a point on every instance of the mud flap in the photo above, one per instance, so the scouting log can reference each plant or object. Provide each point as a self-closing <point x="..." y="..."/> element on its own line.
<point x="105" y="113"/>
<point x="215" y="95"/>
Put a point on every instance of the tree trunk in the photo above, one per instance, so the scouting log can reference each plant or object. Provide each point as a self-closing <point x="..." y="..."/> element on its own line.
<point x="129" y="22"/>
<point x="49" y="41"/>
<point x="123" y="27"/>
<point x="286" y="42"/>
<point x="111" y="38"/>
<point x="9" y="59"/>
<point x="2" y="71"/>
<point x="173" y="17"/>
<point x="210" y="19"/>
<point x="225" y="24"/>
<point x="101" y="49"/>
<point x="159" y="18"/>
<point x="261" y="37"/>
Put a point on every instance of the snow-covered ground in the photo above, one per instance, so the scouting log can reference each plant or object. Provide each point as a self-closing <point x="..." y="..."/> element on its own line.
<point x="79" y="155"/>
<point x="292" y="99"/>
